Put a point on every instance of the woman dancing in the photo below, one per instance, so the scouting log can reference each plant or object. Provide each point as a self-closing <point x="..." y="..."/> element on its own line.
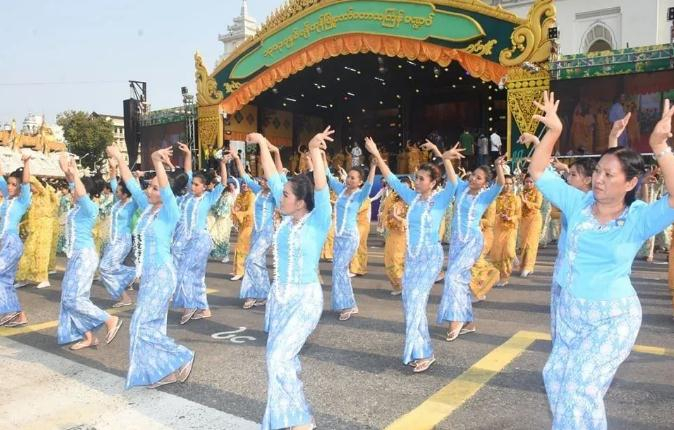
<point x="78" y="315"/>
<point x="598" y="314"/>
<point x="193" y="245"/>
<point x="296" y="299"/>
<point x="115" y="276"/>
<point x="351" y="196"/>
<point x="15" y="202"/>
<point x="473" y="197"/>
<point x="424" y="252"/>
<point x="154" y="358"/>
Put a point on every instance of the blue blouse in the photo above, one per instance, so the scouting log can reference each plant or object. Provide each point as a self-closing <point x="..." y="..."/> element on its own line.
<point x="156" y="227"/>
<point x="195" y="209"/>
<point x="121" y="214"/>
<point x="298" y="248"/>
<point x="264" y="204"/>
<point x="12" y="210"/>
<point x="423" y="216"/>
<point x="598" y="257"/>
<point x="80" y="223"/>
<point x="468" y="209"/>
<point x="347" y="205"/>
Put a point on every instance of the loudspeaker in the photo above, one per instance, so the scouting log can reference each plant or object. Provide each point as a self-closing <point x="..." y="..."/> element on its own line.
<point x="131" y="128"/>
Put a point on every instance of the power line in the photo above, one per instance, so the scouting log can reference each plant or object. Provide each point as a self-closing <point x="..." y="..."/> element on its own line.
<point x="25" y="84"/>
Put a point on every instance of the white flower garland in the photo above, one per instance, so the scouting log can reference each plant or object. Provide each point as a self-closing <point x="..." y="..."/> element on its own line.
<point x="293" y="239"/>
<point x="265" y="200"/>
<point x="193" y="213"/>
<point x="5" y="221"/>
<point x="70" y="230"/>
<point x="471" y="212"/>
<point x="426" y="220"/>
<point x="116" y="209"/>
<point x="144" y="223"/>
<point x="342" y="226"/>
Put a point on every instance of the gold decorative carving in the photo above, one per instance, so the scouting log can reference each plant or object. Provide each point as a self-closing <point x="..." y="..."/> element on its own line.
<point x="207" y="88"/>
<point x="480" y="49"/>
<point x="230" y="87"/>
<point x="530" y="40"/>
<point x="208" y="123"/>
<point x="523" y="89"/>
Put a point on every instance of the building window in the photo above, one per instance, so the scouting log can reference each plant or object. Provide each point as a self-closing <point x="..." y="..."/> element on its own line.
<point x="598" y="38"/>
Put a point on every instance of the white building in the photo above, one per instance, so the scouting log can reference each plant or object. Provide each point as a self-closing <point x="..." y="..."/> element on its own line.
<point x="244" y="26"/>
<point x="117" y="132"/>
<point x="597" y="25"/>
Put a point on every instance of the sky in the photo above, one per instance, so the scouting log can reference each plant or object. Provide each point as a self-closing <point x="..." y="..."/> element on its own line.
<point x="58" y="55"/>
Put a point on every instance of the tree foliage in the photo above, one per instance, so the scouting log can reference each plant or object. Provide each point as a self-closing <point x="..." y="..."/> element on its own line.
<point x="87" y="135"/>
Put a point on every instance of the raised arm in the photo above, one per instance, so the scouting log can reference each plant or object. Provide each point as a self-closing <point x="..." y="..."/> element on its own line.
<point x="64" y="164"/>
<point x="267" y="162"/>
<point x="187" y="165"/>
<point x="277" y="157"/>
<point x="80" y="190"/>
<point x="124" y="171"/>
<point x="374" y="151"/>
<point x="447" y="157"/>
<point x="542" y="152"/>
<point x="316" y="145"/>
<point x="617" y="130"/>
<point x="500" y="173"/>
<point x="662" y="150"/>
<point x="158" y="159"/>
<point x="26" y="169"/>
<point x="373" y="171"/>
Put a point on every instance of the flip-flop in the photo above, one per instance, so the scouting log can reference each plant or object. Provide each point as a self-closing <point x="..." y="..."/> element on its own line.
<point x="121" y="305"/>
<point x="168" y="379"/>
<point x="249" y="303"/>
<point x="185" y="371"/>
<point x="79" y="345"/>
<point x="453" y="334"/>
<point x="187" y="316"/>
<point x="200" y="315"/>
<point x="7" y="318"/>
<point x="111" y="336"/>
<point x="467" y="330"/>
<point x="423" y="365"/>
<point x="260" y="303"/>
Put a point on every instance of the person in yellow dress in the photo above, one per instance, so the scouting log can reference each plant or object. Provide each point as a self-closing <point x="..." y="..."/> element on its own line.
<point x="56" y="227"/>
<point x="530" y="226"/>
<point x="242" y="215"/>
<point x="358" y="264"/>
<point x="394" y="217"/>
<point x="484" y="275"/>
<point x="508" y="213"/>
<point x="39" y="223"/>
<point x="413" y="158"/>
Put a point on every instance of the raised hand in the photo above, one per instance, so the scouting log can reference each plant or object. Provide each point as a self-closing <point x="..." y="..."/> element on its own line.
<point x="429" y="146"/>
<point x="164" y="155"/>
<point x="184" y="148"/>
<point x="371" y="147"/>
<point x="619" y="126"/>
<point x="255" y="138"/>
<point x="500" y="161"/>
<point x="320" y="140"/>
<point x="529" y="139"/>
<point x="549" y="108"/>
<point x="454" y="153"/>
<point x="663" y="129"/>
<point x="272" y="148"/>
<point x="113" y="152"/>
<point x="25" y="157"/>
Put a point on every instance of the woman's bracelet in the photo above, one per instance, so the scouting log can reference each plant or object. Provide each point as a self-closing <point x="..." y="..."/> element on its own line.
<point x="666" y="151"/>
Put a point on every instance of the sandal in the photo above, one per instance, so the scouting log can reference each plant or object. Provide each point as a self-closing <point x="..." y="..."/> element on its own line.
<point x="467" y="330"/>
<point x="15" y="323"/>
<point x="81" y="345"/>
<point x="201" y="314"/>
<point x="345" y="315"/>
<point x="249" y="303"/>
<point x="168" y="379"/>
<point x="423" y="365"/>
<point x="8" y="317"/>
<point x="187" y="316"/>
<point x="185" y="371"/>
<point x="112" y="333"/>
<point x="122" y="304"/>
<point x="260" y="302"/>
<point x="453" y="334"/>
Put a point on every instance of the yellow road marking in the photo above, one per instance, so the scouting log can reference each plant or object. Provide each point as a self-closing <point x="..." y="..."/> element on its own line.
<point x="449" y="398"/>
<point x="443" y="403"/>
<point x="30" y="328"/>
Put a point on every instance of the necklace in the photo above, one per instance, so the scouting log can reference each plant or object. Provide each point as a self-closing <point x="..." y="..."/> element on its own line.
<point x="265" y="200"/>
<point x="425" y="221"/>
<point x="349" y="199"/>
<point x="116" y="209"/>
<point x="471" y="213"/>
<point x="70" y="230"/>
<point x="146" y="219"/>
<point x="293" y="254"/>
